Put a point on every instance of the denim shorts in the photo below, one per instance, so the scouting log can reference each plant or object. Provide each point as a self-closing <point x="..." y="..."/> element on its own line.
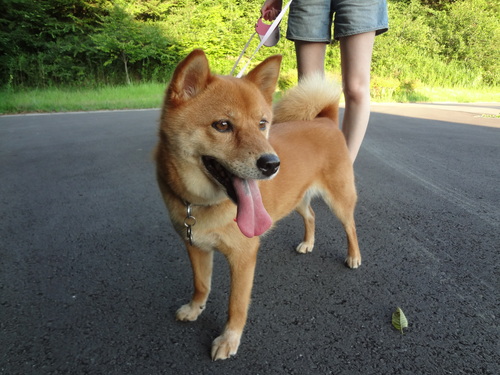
<point x="311" y="20"/>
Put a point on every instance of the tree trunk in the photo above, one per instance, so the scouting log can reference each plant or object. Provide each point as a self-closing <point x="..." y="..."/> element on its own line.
<point x="125" y="63"/>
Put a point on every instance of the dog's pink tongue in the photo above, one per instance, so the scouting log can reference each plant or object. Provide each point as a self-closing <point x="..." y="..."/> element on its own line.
<point x="252" y="218"/>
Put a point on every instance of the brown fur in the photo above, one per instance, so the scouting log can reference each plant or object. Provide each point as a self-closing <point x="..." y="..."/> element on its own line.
<point x="314" y="161"/>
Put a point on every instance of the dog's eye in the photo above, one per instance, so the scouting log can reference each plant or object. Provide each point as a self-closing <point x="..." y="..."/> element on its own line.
<point x="222" y="126"/>
<point x="263" y="124"/>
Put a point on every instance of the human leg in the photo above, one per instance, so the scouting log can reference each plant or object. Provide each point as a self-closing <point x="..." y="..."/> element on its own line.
<point x="310" y="27"/>
<point x="356" y="55"/>
<point x="310" y="57"/>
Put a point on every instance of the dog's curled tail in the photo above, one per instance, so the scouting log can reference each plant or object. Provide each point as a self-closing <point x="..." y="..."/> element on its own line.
<point x="314" y="96"/>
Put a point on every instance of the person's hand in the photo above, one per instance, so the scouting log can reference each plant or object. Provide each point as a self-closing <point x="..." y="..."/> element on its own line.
<point x="271" y="9"/>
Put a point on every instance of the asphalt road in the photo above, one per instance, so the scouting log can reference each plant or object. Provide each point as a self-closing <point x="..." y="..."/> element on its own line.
<point x="91" y="272"/>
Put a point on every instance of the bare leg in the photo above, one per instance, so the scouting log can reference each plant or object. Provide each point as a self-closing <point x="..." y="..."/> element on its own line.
<point x="356" y="55"/>
<point x="310" y="58"/>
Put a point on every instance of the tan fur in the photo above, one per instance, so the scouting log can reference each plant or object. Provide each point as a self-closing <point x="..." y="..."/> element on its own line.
<point x="314" y="97"/>
<point x="314" y="161"/>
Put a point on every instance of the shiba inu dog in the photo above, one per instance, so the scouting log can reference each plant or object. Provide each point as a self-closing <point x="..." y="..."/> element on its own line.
<point x="229" y="166"/>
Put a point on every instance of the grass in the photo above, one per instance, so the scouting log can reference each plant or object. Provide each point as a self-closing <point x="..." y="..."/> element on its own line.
<point x="141" y="96"/>
<point x="455" y="95"/>
<point x="150" y="95"/>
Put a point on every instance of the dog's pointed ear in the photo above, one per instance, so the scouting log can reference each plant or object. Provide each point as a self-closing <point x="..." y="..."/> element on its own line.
<point x="191" y="76"/>
<point x="265" y="76"/>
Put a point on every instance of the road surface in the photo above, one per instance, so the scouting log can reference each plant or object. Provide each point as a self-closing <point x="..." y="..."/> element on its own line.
<point x="91" y="272"/>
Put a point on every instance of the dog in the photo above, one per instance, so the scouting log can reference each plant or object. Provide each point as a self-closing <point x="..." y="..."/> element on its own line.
<point x="229" y="166"/>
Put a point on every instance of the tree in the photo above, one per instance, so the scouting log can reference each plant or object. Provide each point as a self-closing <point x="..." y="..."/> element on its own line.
<point x="46" y="42"/>
<point x="123" y="38"/>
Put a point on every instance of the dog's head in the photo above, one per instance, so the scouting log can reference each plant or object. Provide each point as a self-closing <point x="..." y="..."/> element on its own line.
<point x="217" y="129"/>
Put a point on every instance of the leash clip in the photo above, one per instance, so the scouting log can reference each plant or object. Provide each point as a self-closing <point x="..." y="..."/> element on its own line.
<point x="189" y="222"/>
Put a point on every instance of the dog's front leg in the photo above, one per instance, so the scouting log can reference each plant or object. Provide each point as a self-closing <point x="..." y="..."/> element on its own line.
<point x="202" y="263"/>
<point x="242" y="265"/>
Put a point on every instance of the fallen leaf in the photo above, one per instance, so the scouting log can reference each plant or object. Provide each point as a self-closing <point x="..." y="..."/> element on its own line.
<point x="399" y="320"/>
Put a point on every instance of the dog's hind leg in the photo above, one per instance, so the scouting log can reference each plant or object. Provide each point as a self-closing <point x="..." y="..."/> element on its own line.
<point x="305" y="210"/>
<point x="342" y="202"/>
<point x="353" y="259"/>
<point x="202" y="264"/>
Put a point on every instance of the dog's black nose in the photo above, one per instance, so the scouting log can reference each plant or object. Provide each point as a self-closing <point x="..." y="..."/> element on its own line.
<point x="268" y="164"/>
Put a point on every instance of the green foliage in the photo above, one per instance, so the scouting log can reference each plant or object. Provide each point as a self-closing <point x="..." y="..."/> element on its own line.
<point x="470" y="33"/>
<point x="221" y="29"/>
<point x="439" y="43"/>
<point x="45" y="42"/>
<point x="121" y="37"/>
<point x="443" y="44"/>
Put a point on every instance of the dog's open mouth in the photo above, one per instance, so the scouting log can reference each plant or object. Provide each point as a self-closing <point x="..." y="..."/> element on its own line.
<point x="252" y="218"/>
<point x="221" y="175"/>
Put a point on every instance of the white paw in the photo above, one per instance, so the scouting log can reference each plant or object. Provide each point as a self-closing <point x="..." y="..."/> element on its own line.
<point x="353" y="262"/>
<point x="189" y="312"/>
<point x="225" y="345"/>
<point x="305" y="247"/>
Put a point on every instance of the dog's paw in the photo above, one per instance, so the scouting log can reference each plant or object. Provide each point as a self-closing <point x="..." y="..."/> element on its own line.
<point x="189" y="312"/>
<point x="353" y="262"/>
<point x="225" y="345"/>
<point x="305" y="247"/>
